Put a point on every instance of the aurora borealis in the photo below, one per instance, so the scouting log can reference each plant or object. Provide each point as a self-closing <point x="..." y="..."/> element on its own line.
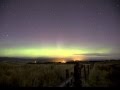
<point x="47" y="52"/>
<point x="60" y="28"/>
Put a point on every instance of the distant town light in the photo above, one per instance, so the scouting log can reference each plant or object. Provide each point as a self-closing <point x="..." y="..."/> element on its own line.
<point x="63" y="61"/>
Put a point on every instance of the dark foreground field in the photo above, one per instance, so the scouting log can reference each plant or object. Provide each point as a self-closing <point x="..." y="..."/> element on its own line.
<point x="32" y="75"/>
<point x="105" y="74"/>
<point x="101" y="74"/>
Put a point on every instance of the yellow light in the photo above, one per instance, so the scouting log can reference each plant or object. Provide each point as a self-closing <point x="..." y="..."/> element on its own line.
<point x="78" y="57"/>
<point x="63" y="61"/>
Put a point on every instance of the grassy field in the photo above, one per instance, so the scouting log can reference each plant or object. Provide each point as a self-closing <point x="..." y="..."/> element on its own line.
<point x="102" y="74"/>
<point x="105" y="74"/>
<point x="32" y="75"/>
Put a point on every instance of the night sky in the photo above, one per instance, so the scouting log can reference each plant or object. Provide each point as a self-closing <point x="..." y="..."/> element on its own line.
<point x="35" y="28"/>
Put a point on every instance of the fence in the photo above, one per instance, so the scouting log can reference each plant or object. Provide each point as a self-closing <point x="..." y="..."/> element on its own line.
<point x="79" y="77"/>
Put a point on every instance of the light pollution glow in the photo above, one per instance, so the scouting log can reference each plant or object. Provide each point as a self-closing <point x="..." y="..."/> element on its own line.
<point x="50" y="52"/>
<point x="73" y="57"/>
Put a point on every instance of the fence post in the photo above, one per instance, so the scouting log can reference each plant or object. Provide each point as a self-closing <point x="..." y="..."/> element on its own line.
<point x="67" y="73"/>
<point x="67" y="76"/>
<point x="88" y="69"/>
<point x="90" y="66"/>
<point x="77" y="75"/>
<point x="84" y="72"/>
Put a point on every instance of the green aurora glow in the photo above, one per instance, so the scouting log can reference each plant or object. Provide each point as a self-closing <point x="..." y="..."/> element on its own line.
<point x="48" y="52"/>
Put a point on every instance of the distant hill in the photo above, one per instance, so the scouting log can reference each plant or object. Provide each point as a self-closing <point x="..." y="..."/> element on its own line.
<point x="41" y="60"/>
<point x="26" y="60"/>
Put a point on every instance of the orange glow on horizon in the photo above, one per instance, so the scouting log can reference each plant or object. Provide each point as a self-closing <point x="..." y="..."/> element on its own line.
<point x="62" y="60"/>
<point x="78" y="58"/>
<point x="74" y="58"/>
